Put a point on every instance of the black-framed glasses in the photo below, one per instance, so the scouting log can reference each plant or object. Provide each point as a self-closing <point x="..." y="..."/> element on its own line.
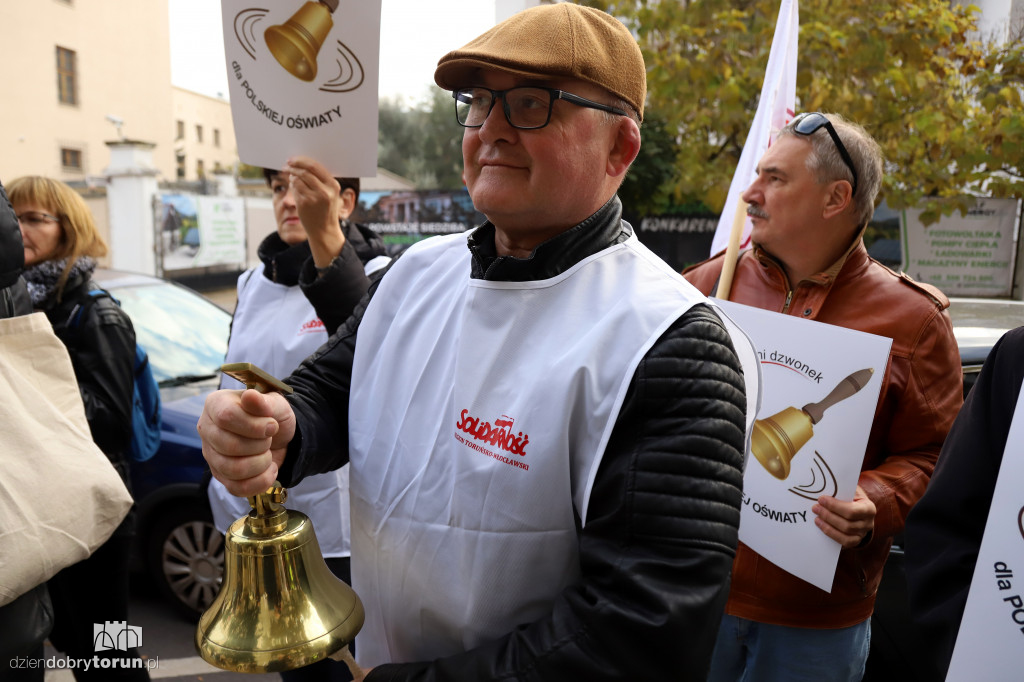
<point x="809" y="123"/>
<point x="526" y="107"/>
<point x="36" y="218"/>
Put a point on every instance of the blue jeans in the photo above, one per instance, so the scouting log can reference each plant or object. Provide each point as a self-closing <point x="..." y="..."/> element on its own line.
<point x="747" y="651"/>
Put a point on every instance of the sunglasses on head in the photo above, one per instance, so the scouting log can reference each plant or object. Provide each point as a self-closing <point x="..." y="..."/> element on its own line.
<point x="810" y="123"/>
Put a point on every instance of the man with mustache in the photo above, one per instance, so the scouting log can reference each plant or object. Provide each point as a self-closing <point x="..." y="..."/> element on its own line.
<point x="545" y="424"/>
<point x="811" y="200"/>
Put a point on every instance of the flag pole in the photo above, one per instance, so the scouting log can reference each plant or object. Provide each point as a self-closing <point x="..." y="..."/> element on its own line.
<point x="732" y="252"/>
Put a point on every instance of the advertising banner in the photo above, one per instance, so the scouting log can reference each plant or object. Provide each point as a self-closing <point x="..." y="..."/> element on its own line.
<point x="968" y="255"/>
<point x="820" y="386"/>
<point x="303" y="81"/>
<point x="200" y="231"/>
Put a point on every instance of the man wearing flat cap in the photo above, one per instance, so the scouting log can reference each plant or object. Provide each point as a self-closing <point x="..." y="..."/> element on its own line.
<point x="546" y="425"/>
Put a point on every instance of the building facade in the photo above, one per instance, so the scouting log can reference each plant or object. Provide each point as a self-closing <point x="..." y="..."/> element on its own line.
<point x="81" y="73"/>
<point x="204" y="137"/>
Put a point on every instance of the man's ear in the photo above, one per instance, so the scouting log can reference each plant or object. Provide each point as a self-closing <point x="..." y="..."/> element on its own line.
<point x="346" y="202"/>
<point x="625" y="146"/>
<point x="838" y="199"/>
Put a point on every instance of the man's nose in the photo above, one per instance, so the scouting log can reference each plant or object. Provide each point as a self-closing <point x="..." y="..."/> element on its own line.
<point x="751" y="193"/>
<point x="497" y="123"/>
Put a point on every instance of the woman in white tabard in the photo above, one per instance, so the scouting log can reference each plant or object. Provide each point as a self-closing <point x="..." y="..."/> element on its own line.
<point x="314" y="269"/>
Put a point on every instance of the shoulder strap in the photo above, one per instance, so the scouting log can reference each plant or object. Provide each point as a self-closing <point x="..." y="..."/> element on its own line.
<point x="75" y="318"/>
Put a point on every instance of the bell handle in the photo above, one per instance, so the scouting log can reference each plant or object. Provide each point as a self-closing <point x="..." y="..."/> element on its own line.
<point x="255" y="378"/>
<point x="846" y="388"/>
<point x="270" y="500"/>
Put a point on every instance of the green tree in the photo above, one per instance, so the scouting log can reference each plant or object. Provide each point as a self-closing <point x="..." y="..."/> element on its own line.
<point x="396" y="137"/>
<point x="250" y="172"/>
<point x="945" y="107"/>
<point x="646" y="190"/>
<point x="422" y="143"/>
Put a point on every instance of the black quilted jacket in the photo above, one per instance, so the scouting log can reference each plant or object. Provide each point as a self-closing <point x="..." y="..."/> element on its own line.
<point x="14" y="298"/>
<point x="661" y="532"/>
<point x="101" y="342"/>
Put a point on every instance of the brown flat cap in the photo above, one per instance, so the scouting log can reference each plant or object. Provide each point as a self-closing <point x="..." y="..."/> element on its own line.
<point x="555" y="41"/>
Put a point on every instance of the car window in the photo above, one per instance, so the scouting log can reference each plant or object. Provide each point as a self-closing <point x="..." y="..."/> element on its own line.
<point x="183" y="333"/>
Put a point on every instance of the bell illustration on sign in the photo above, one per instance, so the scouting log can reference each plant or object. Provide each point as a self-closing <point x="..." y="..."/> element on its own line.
<point x="296" y="44"/>
<point x="777" y="439"/>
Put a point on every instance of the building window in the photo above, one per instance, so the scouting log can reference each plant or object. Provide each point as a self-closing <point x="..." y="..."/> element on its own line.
<point x="71" y="159"/>
<point x="199" y="134"/>
<point x="180" y="159"/>
<point x="216" y="137"/>
<point x="200" y="169"/>
<point x="181" y="131"/>
<point x="67" y="79"/>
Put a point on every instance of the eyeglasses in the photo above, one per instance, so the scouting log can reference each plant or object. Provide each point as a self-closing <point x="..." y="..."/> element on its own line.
<point x="35" y="219"/>
<point x="526" y="108"/>
<point x="810" y="123"/>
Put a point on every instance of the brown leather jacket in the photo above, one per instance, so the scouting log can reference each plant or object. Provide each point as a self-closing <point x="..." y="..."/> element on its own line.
<point x="922" y="391"/>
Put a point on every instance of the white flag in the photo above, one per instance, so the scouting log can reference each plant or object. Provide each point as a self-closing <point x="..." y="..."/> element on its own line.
<point x="775" y="109"/>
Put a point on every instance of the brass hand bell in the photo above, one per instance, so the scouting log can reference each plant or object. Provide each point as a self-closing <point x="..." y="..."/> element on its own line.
<point x="280" y="607"/>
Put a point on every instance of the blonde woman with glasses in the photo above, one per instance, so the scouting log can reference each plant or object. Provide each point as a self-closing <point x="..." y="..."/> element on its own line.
<point x="61" y="247"/>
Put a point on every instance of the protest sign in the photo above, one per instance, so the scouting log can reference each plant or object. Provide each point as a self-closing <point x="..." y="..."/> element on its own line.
<point x="992" y="629"/>
<point x="302" y="80"/>
<point x="820" y="386"/>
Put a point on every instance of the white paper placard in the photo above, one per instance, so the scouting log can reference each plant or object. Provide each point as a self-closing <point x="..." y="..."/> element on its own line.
<point x="991" y="637"/>
<point x="802" y="363"/>
<point x="281" y="106"/>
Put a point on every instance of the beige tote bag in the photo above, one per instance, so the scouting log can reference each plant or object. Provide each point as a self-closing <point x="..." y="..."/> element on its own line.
<point x="60" y="497"/>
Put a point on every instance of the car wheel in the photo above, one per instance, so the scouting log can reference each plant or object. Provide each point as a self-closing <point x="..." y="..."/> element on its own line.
<point x="186" y="557"/>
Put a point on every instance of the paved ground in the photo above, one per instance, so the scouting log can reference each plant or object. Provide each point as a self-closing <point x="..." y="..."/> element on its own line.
<point x="167" y="644"/>
<point x="225" y="298"/>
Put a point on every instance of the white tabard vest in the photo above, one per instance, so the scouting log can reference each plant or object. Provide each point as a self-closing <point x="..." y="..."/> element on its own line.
<point x="478" y="417"/>
<point x="276" y="328"/>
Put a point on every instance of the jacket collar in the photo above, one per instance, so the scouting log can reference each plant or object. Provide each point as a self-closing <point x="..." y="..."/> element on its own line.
<point x="282" y="261"/>
<point x="601" y="230"/>
<point x="853" y="260"/>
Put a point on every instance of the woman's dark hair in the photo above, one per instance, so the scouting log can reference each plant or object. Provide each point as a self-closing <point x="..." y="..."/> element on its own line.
<point x="350" y="183"/>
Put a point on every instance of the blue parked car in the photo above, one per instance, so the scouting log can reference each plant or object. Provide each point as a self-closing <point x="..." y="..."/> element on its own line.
<point x="186" y="337"/>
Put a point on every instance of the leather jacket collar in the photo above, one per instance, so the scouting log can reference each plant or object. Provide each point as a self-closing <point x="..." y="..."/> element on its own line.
<point x="554" y="256"/>
<point x="854" y="260"/>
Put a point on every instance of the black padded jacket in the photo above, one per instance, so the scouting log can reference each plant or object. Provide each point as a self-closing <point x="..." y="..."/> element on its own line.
<point x="14" y="298"/>
<point x="661" y="532"/>
<point x="101" y="342"/>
